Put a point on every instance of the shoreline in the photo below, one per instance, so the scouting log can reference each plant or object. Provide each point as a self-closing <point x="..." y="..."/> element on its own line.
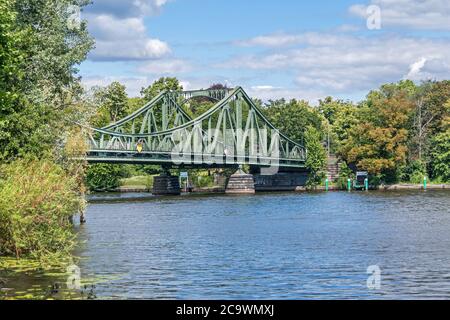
<point x="212" y="190"/>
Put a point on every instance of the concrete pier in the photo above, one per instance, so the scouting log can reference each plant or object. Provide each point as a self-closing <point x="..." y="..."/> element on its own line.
<point x="240" y="183"/>
<point x="166" y="184"/>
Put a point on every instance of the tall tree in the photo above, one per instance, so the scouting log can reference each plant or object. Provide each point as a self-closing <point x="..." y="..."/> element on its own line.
<point x="11" y="73"/>
<point x="428" y="116"/>
<point x="160" y="85"/>
<point x="341" y="117"/>
<point x="378" y="143"/>
<point x="316" y="157"/>
<point x="47" y="50"/>
<point x="293" y="118"/>
<point x="114" y="100"/>
<point x="440" y="150"/>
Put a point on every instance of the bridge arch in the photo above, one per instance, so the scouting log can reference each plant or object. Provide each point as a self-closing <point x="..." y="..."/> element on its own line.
<point x="233" y="132"/>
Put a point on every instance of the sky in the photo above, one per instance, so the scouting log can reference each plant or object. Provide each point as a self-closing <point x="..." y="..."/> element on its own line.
<point x="287" y="48"/>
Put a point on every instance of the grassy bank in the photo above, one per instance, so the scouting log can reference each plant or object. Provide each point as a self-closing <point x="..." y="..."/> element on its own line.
<point x="37" y="201"/>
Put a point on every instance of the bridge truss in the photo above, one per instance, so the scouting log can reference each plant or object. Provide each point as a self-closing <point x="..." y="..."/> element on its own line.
<point x="233" y="132"/>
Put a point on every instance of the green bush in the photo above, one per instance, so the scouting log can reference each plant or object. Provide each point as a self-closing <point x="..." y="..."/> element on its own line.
<point x="413" y="172"/>
<point x="37" y="200"/>
<point x="316" y="160"/>
<point x="102" y="177"/>
<point x="440" y="157"/>
<point x="204" y="181"/>
<point x="344" y="174"/>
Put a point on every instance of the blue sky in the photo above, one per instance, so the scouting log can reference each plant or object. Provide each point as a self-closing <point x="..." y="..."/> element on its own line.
<point x="293" y="49"/>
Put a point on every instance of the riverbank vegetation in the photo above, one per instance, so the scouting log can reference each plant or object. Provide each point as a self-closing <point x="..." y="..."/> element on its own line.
<point x="40" y="96"/>
<point x="38" y="200"/>
<point x="398" y="133"/>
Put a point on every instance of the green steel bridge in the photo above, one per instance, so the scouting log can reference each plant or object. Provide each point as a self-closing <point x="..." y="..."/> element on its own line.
<point x="233" y="132"/>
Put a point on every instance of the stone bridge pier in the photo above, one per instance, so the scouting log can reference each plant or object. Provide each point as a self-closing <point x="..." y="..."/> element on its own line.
<point x="166" y="184"/>
<point x="263" y="180"/>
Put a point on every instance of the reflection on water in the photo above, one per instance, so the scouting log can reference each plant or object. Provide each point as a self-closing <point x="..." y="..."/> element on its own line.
<point x="270" y="246"/>
<point x="275" y="246"/>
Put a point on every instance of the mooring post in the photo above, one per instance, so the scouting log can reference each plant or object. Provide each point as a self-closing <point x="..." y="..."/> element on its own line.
<point x="82" y="218"/>
<point x="425" y="183"/>
<point x="349" y="184"/>
<point x="366" y="184"/>
<point x="326" y="184"/>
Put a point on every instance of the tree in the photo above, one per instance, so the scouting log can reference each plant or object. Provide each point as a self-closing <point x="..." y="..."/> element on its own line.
<point x="10" y="73"/>
<point x="316" y="159"/>
<point x="134" y="104"/>
<point x="38" y="76"/>
<point x="102" y="176"/>
<point x="293" y="118"/>
<point x="341" y="117"/>
<point x="39" y="92"/>
<point x="440" y="150"/>
<point x="428" y="116"/>
<point x="378" y="143"/>
<point x="440" y="153"/>
<point x="160" y="85"/>
<point x="114" y="101"/>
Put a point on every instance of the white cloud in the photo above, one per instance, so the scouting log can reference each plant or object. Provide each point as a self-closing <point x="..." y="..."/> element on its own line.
<point x="415" y="68"/>
<point x="416" y="14"/>
<point x="120" y="31"/>
<point x="165" y="67"/>
<point x="272" y="40"/>
<point x="351" y="63"/>
<point x="126" y="8"/>
<point x="266" y="93"/>
<point x="284" y="39"/>
<point x="264" y="88"/>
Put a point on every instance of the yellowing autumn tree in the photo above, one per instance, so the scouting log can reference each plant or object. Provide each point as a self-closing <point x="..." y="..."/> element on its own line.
<point x="378" y="143"/>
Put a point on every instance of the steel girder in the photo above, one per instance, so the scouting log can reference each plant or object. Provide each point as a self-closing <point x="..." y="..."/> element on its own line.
<point x="233" y="132"/>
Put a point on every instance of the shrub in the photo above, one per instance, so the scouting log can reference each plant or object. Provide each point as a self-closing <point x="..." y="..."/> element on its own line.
<point x="344" y="174"/>
<point x="316" y="159"/>
<point x="37" y="200"/>
<point x="440" y="156"/>
<point x="102" y="177"/>
<point x="413" y="172"/>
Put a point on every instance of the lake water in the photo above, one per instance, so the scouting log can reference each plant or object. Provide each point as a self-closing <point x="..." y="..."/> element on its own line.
<point x="266" y="246"/>
<point x="269" y="246"/>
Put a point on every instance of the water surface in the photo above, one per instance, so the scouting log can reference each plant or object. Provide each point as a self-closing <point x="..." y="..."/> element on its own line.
<point x="268" y="246"/>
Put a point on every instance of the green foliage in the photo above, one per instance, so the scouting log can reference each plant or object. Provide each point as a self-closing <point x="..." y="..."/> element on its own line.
<point x="103" y="177"/>
<point x="413" y="172"/>
<point x="378" y="142"/>
<point x="113" y="104"/>
<point x="150" y="169"/>
<point x="293" y="118"/>
<point x="201" y="178"/>
<point x="316" y="159"/>
<point x="341" y="117"/>
<point x="38" y="80"/>
<point x="345" y="173"/>
<point x="203" y="181"/>
<point x="134" y="104"/>
<point x="37" y="199"/>
<point x="440" y="155"/>
<point x="137" y="181"/>
<point x="160" y="85"/>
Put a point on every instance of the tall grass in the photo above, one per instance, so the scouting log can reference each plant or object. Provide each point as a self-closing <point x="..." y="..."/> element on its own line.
<point x="37" y="200"/>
